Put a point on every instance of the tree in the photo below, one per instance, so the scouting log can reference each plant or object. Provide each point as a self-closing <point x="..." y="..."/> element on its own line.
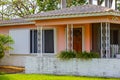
<point x="20" y="8"/>
<point x="2" y="5"/>
<point x="47" y="5"/>
<point x="5" y="40"/>
<point x="75" y="2"/>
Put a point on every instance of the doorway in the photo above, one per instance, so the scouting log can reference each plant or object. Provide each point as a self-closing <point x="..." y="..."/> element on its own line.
<point x="77" y="39"/>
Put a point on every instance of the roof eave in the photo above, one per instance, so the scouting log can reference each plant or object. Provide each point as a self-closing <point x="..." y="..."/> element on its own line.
<point x="12" y="24"/>
<point x="75" y="15"/>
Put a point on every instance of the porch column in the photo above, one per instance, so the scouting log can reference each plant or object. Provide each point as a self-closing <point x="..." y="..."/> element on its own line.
<point x="69" y="36"/>
<point x="105" y="40"/>
<point x="39" y="42"/>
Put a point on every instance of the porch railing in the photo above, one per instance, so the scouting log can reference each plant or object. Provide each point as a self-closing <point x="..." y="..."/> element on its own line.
<point x="114" y="50"/>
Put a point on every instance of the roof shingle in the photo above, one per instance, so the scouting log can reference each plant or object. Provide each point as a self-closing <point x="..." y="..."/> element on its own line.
<point x="14" y="21"/>
<point x="73" y="10"/>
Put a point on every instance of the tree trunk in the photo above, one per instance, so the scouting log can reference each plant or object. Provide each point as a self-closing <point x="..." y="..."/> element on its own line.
<point x="63" y="4"/>
<point x="90" y="2"/>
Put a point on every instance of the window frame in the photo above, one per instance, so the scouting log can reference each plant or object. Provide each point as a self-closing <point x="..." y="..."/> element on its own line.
<point x="54" y="40"/>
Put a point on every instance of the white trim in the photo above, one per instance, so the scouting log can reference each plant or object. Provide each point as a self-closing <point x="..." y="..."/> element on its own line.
<point x="72" y="36"/>
<point x="106" y="27"/>
<point x="12" y="24"/>
<point x="55" y="40"/>
<point x="41" y="47"/>
<point x="67" y="37"/>
<point x="83" y="38"/>
<point x="101" y="42"/>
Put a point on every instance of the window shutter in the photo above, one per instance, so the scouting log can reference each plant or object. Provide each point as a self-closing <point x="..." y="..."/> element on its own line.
<point x="21" y="39"/>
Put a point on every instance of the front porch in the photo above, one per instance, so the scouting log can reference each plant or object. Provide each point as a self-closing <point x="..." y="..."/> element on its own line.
<point x="105" y="39"/>
<point x="102" y="38"/>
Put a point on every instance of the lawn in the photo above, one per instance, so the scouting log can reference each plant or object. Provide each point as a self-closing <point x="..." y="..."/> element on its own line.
<point x="47" y="77"/>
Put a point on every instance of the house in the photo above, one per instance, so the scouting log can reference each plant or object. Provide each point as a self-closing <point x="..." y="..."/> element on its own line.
<point x="81" y="28"/>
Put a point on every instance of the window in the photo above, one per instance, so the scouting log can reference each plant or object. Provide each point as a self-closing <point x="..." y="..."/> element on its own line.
<point x="114" y="36"/>
<point x="47" y="41"/>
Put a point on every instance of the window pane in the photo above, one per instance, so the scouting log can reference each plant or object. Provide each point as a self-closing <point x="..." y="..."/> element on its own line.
<point x="33" y="41"/>
<point x="48" y="41"/>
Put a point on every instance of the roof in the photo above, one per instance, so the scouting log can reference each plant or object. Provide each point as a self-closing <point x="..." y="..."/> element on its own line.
<point x="75" y="11"/>
<point x="17" y="21"/>
<point x="84" y="9"/>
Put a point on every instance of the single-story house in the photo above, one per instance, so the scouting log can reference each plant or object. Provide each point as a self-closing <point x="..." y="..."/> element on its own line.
<point x="80" y="28"/>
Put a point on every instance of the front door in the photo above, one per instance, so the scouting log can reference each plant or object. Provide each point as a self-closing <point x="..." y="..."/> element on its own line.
<point x="77" y="39"/>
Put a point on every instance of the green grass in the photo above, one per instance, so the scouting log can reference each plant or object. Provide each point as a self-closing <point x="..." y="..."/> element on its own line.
<point x="48" y="77"/>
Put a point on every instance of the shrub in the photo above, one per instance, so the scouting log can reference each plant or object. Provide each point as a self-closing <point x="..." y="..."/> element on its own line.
<point x="2" y="73"/>
<point x="87" y="55"/>
<point x="65" y="55"/>
<point x="5" y="40"/>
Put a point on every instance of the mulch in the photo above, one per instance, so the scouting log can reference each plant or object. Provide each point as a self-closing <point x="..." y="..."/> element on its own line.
<point x="11" y="69"/>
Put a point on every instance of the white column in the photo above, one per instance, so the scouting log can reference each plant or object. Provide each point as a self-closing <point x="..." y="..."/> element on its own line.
<point x="71" y="37"/>
<point x="101" y="41"/>
<point x="67" y="36"/>
<point x="39" y="41"/>
<point x="105" y="40"/>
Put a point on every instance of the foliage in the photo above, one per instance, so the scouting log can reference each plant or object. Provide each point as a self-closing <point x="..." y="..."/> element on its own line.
<point x="2" y="73"/>
<point x="17" y="8"/>
<point x="118" y="6"/>
<point x="75" y="2"/>
<point x="47" y="5"/>
<point x="65" y="55"/>
<point x="5" y="40"/>
<point x="87" y="55"/>
<point x="21" y="8"/>
<point x="48" y="77"/>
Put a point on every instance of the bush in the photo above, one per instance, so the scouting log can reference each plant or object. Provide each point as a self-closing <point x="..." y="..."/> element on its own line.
<point x="5" y="40"/>
<point x="87" y="55"/>
<point x="2" y="73"/>
<point x="65" y="55"/>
